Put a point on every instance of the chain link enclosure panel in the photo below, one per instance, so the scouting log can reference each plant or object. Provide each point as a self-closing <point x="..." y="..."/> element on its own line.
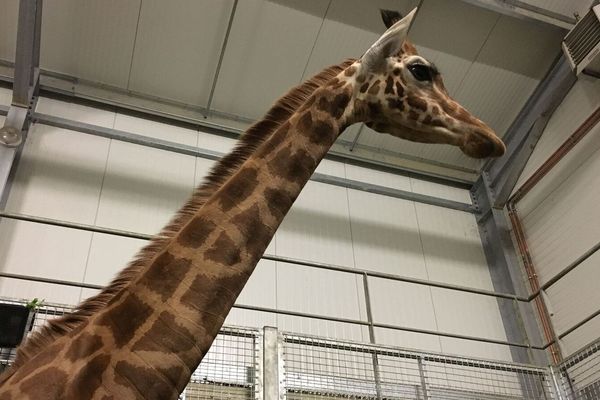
<point x="579" y="375"/>
<point x="317" y="368"/>
<point x="229" y="370"/>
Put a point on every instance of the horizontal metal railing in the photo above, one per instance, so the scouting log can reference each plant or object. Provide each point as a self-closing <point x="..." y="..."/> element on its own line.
<point x="316" y="366"/>
<point x="305" y="263"/>
<point x="364" y="273"/>
<point x="214" y="155"/>
<point x="272" y="257"/>
<point x="237" y="365"/>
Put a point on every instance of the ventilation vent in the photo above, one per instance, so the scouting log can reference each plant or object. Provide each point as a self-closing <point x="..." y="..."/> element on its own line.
<point x="582" y="44"/>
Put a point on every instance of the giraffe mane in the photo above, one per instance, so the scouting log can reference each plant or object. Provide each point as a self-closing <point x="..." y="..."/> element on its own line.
<point x="280" y="112"/>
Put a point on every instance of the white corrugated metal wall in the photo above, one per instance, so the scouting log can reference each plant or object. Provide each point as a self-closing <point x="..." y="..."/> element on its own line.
<point x="561" y="216"/>
<point x="86" y="179"/>
<point x="491" y="62"/>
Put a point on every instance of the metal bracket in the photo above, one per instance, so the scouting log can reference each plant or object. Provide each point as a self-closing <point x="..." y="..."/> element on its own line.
<point x="10" y="137"/>
<point x="11" y="134"/>
<point x="502" y="174"/>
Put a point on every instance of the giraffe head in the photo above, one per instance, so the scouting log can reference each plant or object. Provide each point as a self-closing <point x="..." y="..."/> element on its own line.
<point x="396" y="91"/>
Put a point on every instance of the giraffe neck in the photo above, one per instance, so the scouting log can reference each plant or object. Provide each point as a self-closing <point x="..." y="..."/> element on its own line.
<point x="195" y="282"/>
<point x="154" y="333"/>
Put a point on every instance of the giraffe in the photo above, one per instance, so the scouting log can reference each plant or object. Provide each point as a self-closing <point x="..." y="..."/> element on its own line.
<point x="144" y="335"/>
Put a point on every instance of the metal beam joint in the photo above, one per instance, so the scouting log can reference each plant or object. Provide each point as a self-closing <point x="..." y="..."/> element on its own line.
<point x="521" y="138"/>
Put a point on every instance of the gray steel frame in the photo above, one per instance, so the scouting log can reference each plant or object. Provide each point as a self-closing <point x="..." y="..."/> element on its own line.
<point x="490" y="194"/>
<point x="213" y="155"/>
<point x="369" y="323"/>
<point x="25" y="91"/>
<point x="514" y="7"/>
<point x="500" y="175"/>
<point x="273" y="370"/>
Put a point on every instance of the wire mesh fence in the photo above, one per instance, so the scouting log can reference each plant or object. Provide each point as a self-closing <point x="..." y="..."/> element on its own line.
<point x="314" y="368"/>
<point x="579" y="375"/>
<point x="317" y="368"/>
<point x="229" y="369"/>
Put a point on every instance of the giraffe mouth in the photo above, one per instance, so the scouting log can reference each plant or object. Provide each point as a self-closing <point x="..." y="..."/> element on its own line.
<point x="482" y="145"/>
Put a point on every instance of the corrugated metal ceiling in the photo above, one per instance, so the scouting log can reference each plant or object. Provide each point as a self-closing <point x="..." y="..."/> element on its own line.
<point x="170" y="50"/>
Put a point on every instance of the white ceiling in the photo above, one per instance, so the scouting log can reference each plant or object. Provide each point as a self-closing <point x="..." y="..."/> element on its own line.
<point x="491" y="63"/>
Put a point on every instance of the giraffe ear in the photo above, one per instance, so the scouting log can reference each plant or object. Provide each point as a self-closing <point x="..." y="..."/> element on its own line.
<point x="390" y="43"/>
<point x="390" y="17"/>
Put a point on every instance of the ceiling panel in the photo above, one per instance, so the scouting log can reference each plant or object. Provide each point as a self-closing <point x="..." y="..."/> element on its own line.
<point x="8" y="28"/>
<point x="349" y="29"/>
<point x="491" y="63"/>
<point x="177" y="48"/>
<point x="451" y="34"/>
<point x="564" y="7"/>
<point x="269" y="46"/>
<point x="512" y="62"/>
<point x="90" y="39"/>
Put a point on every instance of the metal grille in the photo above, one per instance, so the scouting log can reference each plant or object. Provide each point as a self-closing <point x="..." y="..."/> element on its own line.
<point x="229" y="370"/>
<point x="584" y="37"/>
<point x="318" y="368"/>
<point x="41" y="315"/>
<point x="579" y="375"/>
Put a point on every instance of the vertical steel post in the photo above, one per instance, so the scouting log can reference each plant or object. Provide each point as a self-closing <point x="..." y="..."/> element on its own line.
<point x="25" y="88"/>
<point x="272" y="365"/>
<point x="376" y="371"/>
<point x="557" y="390"/>
<point x="423" y="378"/>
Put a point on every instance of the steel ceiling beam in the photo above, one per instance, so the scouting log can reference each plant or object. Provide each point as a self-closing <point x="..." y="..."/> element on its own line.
<point x="213" y="155"/>
<point x="501" y="174"/>
<point x="221" y="56"/>
<point x="524" y="10"/>
<point x="172" y="112"/>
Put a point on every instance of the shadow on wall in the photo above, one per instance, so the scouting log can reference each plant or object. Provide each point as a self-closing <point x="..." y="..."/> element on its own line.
<point x="455" y="28"/>
<point x="302" y="220"/>
<point x="53" y="170"/>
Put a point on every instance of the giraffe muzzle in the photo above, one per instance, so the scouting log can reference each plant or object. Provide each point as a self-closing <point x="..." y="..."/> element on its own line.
<point x="482" y="144"/>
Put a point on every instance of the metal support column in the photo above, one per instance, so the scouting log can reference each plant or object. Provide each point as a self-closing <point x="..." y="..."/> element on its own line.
<point x="25" y="91"/>
<point x="490" y="194"/>
<point x="423" y="378"/>
<point x="376" y="369"/>
<point x="501" y="174"/>
<point x="272" y="365"/>
<point x="518" y="317"/>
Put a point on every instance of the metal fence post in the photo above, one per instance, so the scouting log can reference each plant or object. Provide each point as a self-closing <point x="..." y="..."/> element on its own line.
<point x="557" y="391"/>
<point x="272" y="365"/>
<point x="423" y="378"/>
<point x="376" y="372"/>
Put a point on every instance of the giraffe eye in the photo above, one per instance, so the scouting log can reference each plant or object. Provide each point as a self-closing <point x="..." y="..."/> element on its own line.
<point x="421" y="72"/>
